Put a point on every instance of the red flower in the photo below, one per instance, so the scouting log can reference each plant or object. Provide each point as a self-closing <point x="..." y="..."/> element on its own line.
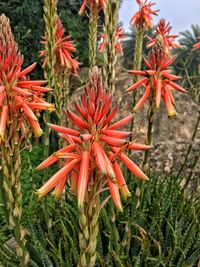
<point x="20" y="97"/>
<point x="143" y="18"/>
<point x="64" y="50"/>
<point x="94" y="149"/>
<point x="119" y="35"/>
<point x="93" y="4"/>
<point x="163" y="33"/>
<point x="197" y="45"/>
<point x="157" y="80"/>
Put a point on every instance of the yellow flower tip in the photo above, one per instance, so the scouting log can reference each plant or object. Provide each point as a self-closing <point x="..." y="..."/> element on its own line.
<point x="172" y="114"/>
<point x="120" y="209"/>
<point x="157" y="107"/>
<point x="135" y="110"/>
<point x="52" y="108"/>
<point x="125" y="195"/>
<point x="39" y="194"/>
<point x="80" y="205"/>
<point x="56" y="195"/>
<point x="38" y="133"/>
<point x="145" y="178"/>
<point x="80" y="12"/>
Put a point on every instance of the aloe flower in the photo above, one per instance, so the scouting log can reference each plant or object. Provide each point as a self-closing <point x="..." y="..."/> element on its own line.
<point x="157" y="79"/>
<point x="120" y="34"/>
<point x="21" y="99"/>
<point x="64" y="49"/>
<point x="91" y="159"/>
<point x="163" y="33"/>
<point x="92" y="4"/>
<point x="197" y="45"/>
<point x="95" y="148"/>
<point x="143" y="18"/>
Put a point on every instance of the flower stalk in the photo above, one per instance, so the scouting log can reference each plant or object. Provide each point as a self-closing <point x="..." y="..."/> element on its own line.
<point x="50" y="18"/>
<point x="65" y="64"/>
<point x="93" y="28"/>
<point x="150" y="118"/>
<point x="94" y="7"/>
<point x="142" y="20"/>
<point x="157" y="80"/>
<point x="21" y="100"/>
<point x="89" y="228"/>
<point x="90" y="160"/>
<point x="110" y="54"/>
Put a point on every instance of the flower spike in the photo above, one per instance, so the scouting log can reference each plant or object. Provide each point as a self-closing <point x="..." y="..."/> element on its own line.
<point x="92" y="153"/>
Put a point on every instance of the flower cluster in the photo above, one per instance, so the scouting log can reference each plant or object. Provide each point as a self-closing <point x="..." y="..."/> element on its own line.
<point x="64" y="50"/>
<point x="197" y="45"/>
<point x="20" y="97"/>
<point x="163" y="33"/>
<point x="157" y="80"/>
<point x="93" y="152"/>
<point x="119" y="36"/>
<point x="93" y="4"/>
<point x="143" y="18"/>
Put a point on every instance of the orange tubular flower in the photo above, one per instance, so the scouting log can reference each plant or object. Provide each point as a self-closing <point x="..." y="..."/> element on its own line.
<point x="93" y="4"/>
<point x="120" y="34"/>
<point x="143" y="18"/>
<point x="64" y="50"/>
<point x="163" y="32"/>
<point x="93" y="152"/>
<point x="197" y="45"/>
<point x="20" y="97"/>
<point x="157" y="80"/>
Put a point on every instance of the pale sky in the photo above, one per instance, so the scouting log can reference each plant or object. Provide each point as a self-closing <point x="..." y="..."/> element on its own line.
<point x="180" y="13"/>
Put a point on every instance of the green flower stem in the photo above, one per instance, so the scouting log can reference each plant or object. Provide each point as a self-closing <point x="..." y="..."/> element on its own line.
<point x="50" y="18"/>
<point x="136" y="66"/>
<point x="148" y="141"/>
<point x="110" y="57"/>
<point x="137" y="62"/>
<point x="190" y="146"/>
<point x="3" y="200"/>
<point x="11" y="163"/>
<point x="196" y="160"/>
<point x="93" y="25"/>
<point x="89" y="228"/>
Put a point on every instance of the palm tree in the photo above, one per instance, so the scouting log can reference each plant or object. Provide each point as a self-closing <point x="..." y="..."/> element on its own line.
<point x="187" y="64"/>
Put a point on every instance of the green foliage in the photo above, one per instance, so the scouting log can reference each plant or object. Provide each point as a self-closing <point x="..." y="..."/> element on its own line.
<point x="159" y="226"/>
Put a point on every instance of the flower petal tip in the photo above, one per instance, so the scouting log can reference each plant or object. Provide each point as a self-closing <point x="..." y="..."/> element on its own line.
<point x="172" y="114"/>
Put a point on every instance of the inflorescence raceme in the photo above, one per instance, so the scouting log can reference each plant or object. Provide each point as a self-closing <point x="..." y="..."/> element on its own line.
<point x="95" y="150"/>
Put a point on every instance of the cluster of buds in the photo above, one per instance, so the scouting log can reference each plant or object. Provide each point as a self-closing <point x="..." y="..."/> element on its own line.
<point x="143" y="17"/>
<point x="197" y="45"/>
<point x="157" y="79"/>
<point x="93" y="152"/>
<point x="63" y="49"/>
<point x="119" y="35"/>
<point x="95" y="5"/>
<point x="20" y="97"/>
<point x="163" y="33"/>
